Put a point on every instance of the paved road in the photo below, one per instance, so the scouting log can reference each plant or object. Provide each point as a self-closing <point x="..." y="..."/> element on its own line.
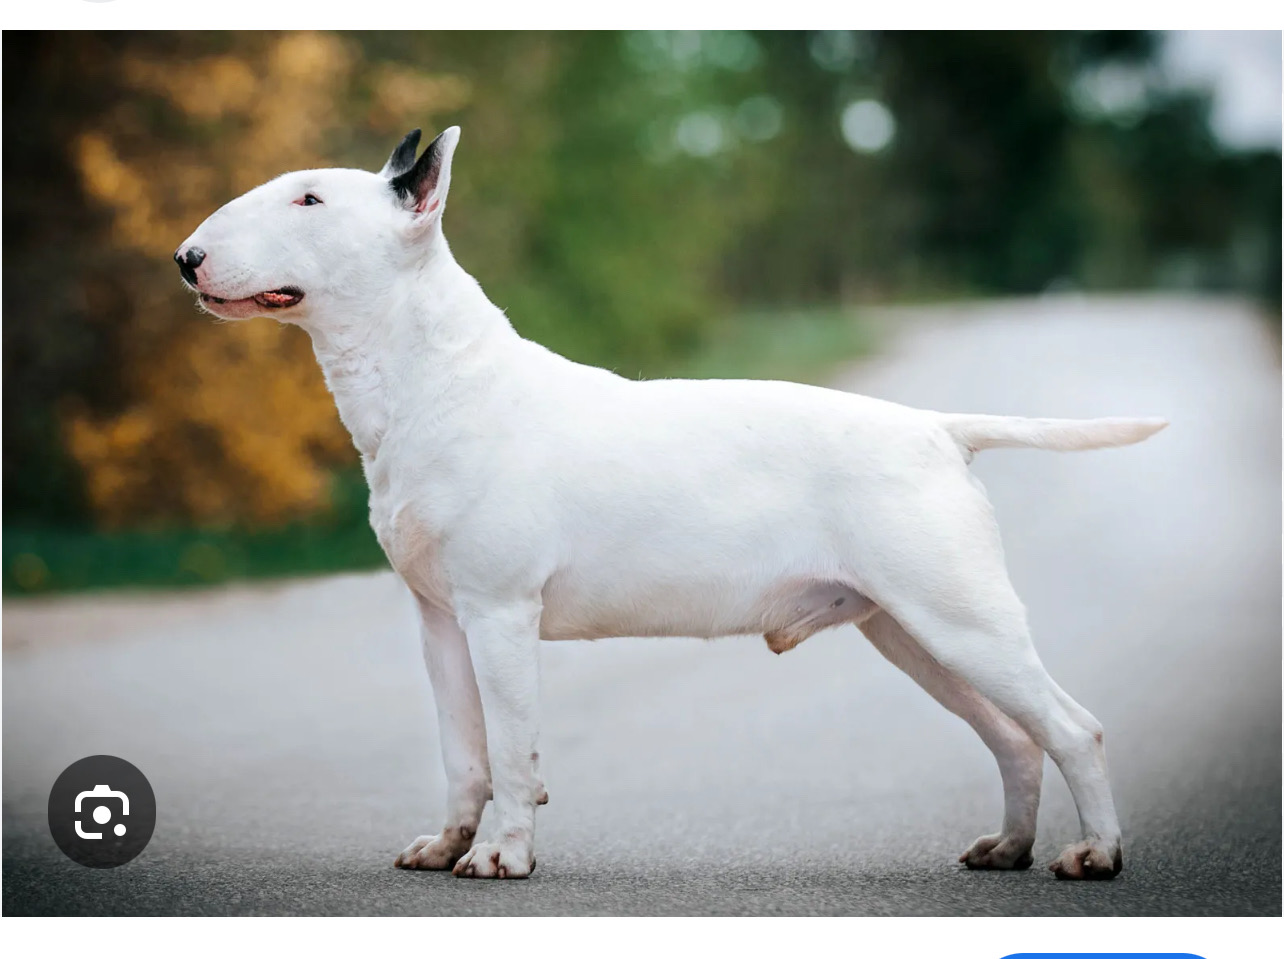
<point x="289" y="735"/>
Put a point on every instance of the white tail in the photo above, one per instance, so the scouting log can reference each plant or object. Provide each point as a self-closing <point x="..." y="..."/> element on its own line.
<point x="978" y="432"/>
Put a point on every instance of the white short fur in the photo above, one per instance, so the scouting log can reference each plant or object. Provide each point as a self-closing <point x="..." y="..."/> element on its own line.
<point x="522" y="496"/>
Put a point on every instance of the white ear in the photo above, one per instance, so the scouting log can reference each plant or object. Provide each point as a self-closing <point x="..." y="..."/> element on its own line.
<point x="422" y="189"/>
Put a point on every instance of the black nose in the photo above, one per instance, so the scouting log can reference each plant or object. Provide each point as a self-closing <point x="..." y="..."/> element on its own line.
<point x="189" y="261"/>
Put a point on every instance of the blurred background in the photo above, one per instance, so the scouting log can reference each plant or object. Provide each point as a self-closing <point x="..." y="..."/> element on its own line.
<point x="715" y="203"/>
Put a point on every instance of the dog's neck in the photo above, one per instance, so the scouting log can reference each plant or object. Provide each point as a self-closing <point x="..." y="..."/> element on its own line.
<point x="406" y="346"/>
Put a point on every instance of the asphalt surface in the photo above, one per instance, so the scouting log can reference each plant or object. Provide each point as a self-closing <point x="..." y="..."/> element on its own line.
<point x="289" y="734"/>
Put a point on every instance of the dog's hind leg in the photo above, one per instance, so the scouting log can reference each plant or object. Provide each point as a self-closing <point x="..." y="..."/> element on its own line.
<point x="1020" y="759"/>
<point x="463" y="744"/>
<point x="951" y="592"/>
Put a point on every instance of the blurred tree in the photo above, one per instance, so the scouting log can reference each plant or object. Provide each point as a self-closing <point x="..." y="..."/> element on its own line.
<point x="220" y="422"/>
<point x="998" y="171"/>
<point x="188" y="421"/>
<point x="980" y="147"/>
<point x="822" y="236"/>
<point x="55" y="345"/>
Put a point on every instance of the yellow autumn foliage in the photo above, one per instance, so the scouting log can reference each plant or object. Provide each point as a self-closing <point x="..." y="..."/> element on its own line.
<point x="226" y="422"/>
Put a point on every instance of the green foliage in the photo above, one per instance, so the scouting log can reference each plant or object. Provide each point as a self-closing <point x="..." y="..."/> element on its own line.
<point x="803" y="345"/>
<point x="42" y="559"/>
<point x="620" y="252"/>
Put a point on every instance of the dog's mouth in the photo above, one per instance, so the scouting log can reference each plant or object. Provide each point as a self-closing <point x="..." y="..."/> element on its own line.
<point x="278" y="299"/>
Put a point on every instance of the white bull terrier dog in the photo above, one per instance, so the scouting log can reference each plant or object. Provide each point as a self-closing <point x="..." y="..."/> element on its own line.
<point x="522" y="496"/>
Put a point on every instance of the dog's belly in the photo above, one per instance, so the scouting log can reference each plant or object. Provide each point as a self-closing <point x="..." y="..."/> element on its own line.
<point x="786" y="612"/>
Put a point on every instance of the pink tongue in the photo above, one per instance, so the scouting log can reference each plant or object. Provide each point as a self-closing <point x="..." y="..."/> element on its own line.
<point x="277" y="299"/>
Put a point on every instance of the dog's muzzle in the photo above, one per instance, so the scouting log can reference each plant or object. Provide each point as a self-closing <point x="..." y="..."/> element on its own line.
<point x="188" y="260"/>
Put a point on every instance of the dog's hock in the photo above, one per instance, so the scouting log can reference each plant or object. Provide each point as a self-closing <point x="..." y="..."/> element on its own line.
<point x="422" y="187"/>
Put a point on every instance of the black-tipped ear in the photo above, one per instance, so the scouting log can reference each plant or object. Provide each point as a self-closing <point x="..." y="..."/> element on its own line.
<point x="402" y="158"/>
<point x="423" y="188"/>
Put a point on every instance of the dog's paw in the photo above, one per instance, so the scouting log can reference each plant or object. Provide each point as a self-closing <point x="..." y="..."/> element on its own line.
<point x="510" y="858"/>
<point x="434" y="852"/>
<point x="999" y="852"/>
<point x="1090" y="859"/>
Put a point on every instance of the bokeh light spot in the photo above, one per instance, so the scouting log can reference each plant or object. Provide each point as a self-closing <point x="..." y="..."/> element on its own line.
<point x="867" y="126"/>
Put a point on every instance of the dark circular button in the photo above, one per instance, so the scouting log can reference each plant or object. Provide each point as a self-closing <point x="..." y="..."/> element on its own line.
<point x="102" y="811"/>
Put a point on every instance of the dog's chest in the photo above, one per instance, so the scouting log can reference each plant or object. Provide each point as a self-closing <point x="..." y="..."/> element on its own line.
<point x="411" y="542"/>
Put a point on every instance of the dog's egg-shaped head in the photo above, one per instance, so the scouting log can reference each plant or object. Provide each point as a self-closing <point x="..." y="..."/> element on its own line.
<point x="315" y="243"/>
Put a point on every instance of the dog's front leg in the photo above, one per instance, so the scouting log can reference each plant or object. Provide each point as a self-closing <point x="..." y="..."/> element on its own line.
<point x="504" y="641"/>
<point x="463" y="743"/>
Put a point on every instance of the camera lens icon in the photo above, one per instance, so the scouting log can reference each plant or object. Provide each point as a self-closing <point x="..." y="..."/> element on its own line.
<point x="102" y="813"/>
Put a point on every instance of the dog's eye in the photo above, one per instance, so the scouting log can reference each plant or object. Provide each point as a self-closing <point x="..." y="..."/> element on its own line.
<point x="308" y="199"/>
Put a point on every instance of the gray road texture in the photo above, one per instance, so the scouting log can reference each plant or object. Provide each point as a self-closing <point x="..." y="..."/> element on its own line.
<point x="289" y="734"/>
